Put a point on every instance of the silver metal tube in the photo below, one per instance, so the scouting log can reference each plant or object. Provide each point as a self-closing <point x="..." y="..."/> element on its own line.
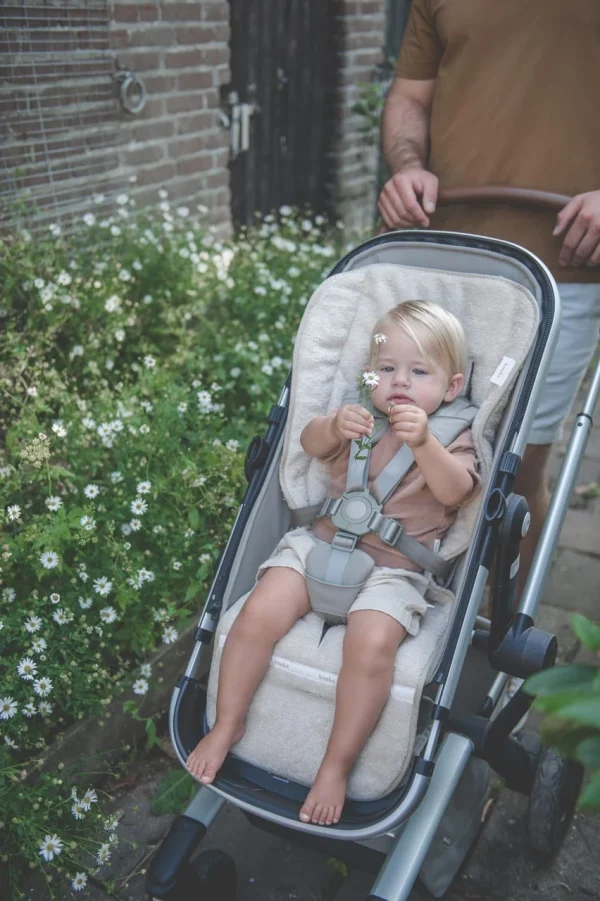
<point x="401" y="868"/>
<point x="560" y="500"/>
<point x="204" y="806"/>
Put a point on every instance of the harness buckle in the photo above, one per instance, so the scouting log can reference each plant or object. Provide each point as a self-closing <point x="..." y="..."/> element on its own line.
<point x="343" y="541"/>
<point x="354" y="512"/>
<point x="390" y="531"/>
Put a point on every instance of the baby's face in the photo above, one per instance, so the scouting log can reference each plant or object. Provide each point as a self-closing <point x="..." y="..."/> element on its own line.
<point x="406" y="377"/>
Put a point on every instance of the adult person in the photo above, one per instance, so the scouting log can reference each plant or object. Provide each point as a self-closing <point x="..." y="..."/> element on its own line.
<point x="508" y="93"/>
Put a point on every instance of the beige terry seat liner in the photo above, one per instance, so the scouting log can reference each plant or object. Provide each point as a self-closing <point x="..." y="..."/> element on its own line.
<point x="291" y="715"/>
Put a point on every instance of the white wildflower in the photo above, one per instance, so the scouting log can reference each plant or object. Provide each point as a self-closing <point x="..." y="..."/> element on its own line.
<point x="54" y="597"/>
<point x="115" y="231"/>
<point x="45" y="708"/>
<point x="113" y="304"/>
<point x="140" y="687"/>
<point x="84" y="603"/>
<point x="116" y="477"/>
<point x="103" y="854"/>
<point x="53" y="503"/>
<point x="89" y="798"/>
<point x="89" y="219"/>
<point x="177" y="565"/>
<point x="370" y="379"/>
<point x="32" y="391"/>
<point x="204" y="558"/>
<point x="125" y="275"/>
<point x="102" y="586"/>
<point x="149" y="362"/>
<point x="88" y="523"/>
<point x="38" y="645"/>
<point x="59" y="429"/>
<point x="146" y="670"/>
<point x="91" y="491"/>
<point x="232" y="444"/>
<point x="50" y="847"/>
<point x="78" y="810"/>
<point x="8" y="708"/>
<point x="135" y="525"/>
<point x="79" y="882"/>
<point x="169" y="635"/>
<point x="144" y="429"/>
<point x="143" y="487"/>
<point x="33" y="624"/>
<point x="138" y="506"/>
<point x="27" y="668"/>
<point x="379" y="338"/>
<point x="108" y="615"/>
<point x="42" y="687"/>
<point x="122" y="199"/>
<point x="14" y="513"/>
<point x="49" y="560"/>
<point x="182" y="407"/>
<point x="64" y="278"/>
<point x="29" y="710"/>
<point x="62" y="617"/>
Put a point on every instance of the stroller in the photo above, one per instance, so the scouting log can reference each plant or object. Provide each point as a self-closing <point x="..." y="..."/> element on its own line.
<point x="417" y="792"/>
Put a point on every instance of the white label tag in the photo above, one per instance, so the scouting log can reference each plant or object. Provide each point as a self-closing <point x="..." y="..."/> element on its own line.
<point x="504" y="369"/>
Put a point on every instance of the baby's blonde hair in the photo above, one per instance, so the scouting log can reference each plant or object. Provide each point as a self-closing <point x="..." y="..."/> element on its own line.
<point x="437" y="333"/>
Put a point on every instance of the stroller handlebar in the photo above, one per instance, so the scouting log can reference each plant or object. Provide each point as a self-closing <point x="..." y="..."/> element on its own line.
<point x="502" y="194"/>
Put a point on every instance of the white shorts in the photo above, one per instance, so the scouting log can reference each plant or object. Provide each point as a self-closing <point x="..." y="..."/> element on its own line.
<point x="397" y="592"/>
<point x="576" y="343"/>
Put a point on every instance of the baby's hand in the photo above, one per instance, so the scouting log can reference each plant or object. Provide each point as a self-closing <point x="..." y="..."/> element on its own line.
<point x="353" y="422"/>
<point x="409" y="423"/>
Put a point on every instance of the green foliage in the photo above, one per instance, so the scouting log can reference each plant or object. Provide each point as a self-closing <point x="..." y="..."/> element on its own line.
<point x="137" y="358"/>
<point x="569" y="696"/>
<point x="173" y="792"/>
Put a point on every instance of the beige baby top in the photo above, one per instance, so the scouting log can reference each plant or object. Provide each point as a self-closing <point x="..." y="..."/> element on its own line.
<point x="411" y="504"/>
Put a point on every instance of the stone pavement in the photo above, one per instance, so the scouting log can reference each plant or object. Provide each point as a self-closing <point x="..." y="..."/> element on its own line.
<point x="500" y="869"/>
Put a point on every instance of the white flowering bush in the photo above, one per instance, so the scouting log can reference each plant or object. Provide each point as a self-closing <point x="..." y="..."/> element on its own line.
<point x="137" y="358"/>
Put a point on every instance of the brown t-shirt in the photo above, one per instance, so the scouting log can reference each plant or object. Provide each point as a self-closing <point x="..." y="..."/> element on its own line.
<point x="517" y="102"/>
<point x="412" y="503"/>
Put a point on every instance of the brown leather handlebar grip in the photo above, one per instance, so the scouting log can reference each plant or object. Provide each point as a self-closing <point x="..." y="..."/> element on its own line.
<point x="501" y="194"/>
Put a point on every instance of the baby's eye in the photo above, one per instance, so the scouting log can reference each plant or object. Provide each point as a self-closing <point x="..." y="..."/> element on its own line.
<point x="418" y="371"/>
<point x="387" y="368"/>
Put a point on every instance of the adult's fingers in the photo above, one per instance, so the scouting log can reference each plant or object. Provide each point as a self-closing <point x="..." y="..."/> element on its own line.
<point x="411" y="204"/>
<point x="567" y="214"/>
<point x="586" y="246"/>
<point x="571" y="242"/>
<point x="430" y="194"/>
<point x="394" y="204"/>
<point x="594" y="259"/>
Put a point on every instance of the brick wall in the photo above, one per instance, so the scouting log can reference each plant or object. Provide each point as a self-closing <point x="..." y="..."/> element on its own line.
<point x="361" y="28"/>
<point x="63" y="132"/>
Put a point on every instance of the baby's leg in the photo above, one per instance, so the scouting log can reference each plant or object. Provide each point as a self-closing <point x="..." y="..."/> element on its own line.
<point x="277" y="601"/>
<point x="370" y="646"/>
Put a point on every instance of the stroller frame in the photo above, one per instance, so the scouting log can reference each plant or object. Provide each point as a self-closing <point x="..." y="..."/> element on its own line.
<point x="400" y="835"/>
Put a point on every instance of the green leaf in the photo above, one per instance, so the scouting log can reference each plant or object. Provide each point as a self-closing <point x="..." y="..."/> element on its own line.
<point x="565" y="735"/>
<point x="151" y="738"/>
<point x="586" y="631"/>
<point x="590" y="796"/>
<point x="556" y="702"/>
<point x="586" y="711"/>
<point x="561" y="678"/>
<point x="588" y="752"/>
<point x="173" y="793"/>
<point x="194" y="519"/>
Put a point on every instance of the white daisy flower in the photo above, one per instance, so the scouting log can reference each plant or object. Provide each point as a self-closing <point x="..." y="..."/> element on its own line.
<point x="79" y="882"/>
<point x="32" y="391"/>
<point x="113" y="304"/>
<point x="140" y="687"/>
<point x="42" y="687"/>
<point x="54" y="597"/>
<point x="50" y="847"/>
<point x="59" y="429"/>
<point x="267" y="369"/>
<point x="163" y="194"/>
<point x="379" y="338"/>
<point x="149" y="362"/>
<point x="146" y="405"/>
<point x="125" y="275"/>
<point x="116" y="477"/>
<point x="78" y="810"/>
<point x="146" y="670"/>
<point x="38" y="645"/>
<point x="102" y="586"/>
<point x="143" y="487"/>
<point x="27" y="668"/>
<point x="122" y="199"/>
<point x="103" y="854"/>
<point x="89" y="798"/>
<point x="144" y="429"/>
<point x="45" y="708"/>
<point x="76" y="351"/>
<point x="235" y="372"/>
<point x="33" y="623"/>
<point x="64" y="278"/>
<point x="115" y="231"/>
<point x="62" y="617"/>
<point x="204" y="558"/>
<point x="11" y="744"/>
<point x="232" y="444"/>
<point x="370" y="379"/>
<point x="84" y="603"/>
<point x="83" y="576"/>
<point x="13" y="512"/>
<point x="145" y="575"/>
<point x="91" y="491"/>
<point x="169" y="635"/>
<point x="89" y="219"/>
<point x="49" y="560"/>
<point x="98" y="198"/>
<point x="125" y="528"/>
<point x="183" y="211"/>
<point x="29" y="710"/>
<point x="177" y="565"/>
<point x="138" y="506"/>
<point x="8" y="708"/>
<point x="53" y="503"/>
<point x="9" y="594"/>
<point x="88" y="523"/>
<point x="135" y="525"/>
<point x="182" y="407"/>
<point x="108" y="614"/>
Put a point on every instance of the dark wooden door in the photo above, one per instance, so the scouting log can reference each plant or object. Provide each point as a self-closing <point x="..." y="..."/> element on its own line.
<point x="283" y="62"/>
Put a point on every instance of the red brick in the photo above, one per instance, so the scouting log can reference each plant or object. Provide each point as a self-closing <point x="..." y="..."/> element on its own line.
<point x="119" y="38"/>
<point x="203" y="34"/>
<point x="187" y="146"/>
<point x="183" y="103"/>
<point x="144" y="61"/>
<point x="194" y="164"/>
<point x="183" y="12"/>
<point x="182" y="59"/>
<point x="159" y="84"/>
<point x="195" y="122"/>
<point x="194" y="81"/>
<point x="152" y="36"/>
<point x="156" y="174"/>
<point x="151" y="153"/>
<point x="152" y="131"/>
<point x="136" y="12"/>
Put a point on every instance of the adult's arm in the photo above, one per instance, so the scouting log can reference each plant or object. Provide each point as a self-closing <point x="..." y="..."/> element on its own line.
<point x="580" y="218"/>
<point x="411" y="192"/>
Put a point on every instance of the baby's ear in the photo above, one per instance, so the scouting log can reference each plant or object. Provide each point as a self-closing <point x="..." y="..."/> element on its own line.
<point x="455" y="387"/>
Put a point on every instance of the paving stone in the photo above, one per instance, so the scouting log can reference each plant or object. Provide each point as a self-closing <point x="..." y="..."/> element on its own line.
<point x="573" y="583"/>
<point x="581" y="532"/>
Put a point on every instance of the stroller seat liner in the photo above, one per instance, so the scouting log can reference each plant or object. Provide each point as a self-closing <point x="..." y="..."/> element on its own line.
<point x="291" y="714"/>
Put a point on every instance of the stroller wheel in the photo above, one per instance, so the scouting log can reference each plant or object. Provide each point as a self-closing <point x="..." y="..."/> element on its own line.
<point x="556" y="785"/>
<point x="215" y="876"/>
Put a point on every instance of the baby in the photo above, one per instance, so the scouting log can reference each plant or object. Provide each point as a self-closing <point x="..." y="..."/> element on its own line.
<point x="418" y="353"/>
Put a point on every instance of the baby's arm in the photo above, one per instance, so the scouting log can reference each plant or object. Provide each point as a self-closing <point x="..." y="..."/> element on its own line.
<point x="324" y="435"/>
<point x="448" y="479"/>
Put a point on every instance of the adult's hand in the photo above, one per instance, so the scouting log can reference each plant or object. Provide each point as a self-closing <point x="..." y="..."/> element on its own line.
<point x="407" y="197"/>
<point x="581" y="216"/>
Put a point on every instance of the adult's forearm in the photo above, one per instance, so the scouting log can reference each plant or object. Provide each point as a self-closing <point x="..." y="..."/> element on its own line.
<point x="404" y="133"/>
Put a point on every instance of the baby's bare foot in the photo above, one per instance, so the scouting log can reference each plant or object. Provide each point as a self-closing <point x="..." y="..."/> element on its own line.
<point x="325" y="800"/>
<point x="207" y="758"/>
